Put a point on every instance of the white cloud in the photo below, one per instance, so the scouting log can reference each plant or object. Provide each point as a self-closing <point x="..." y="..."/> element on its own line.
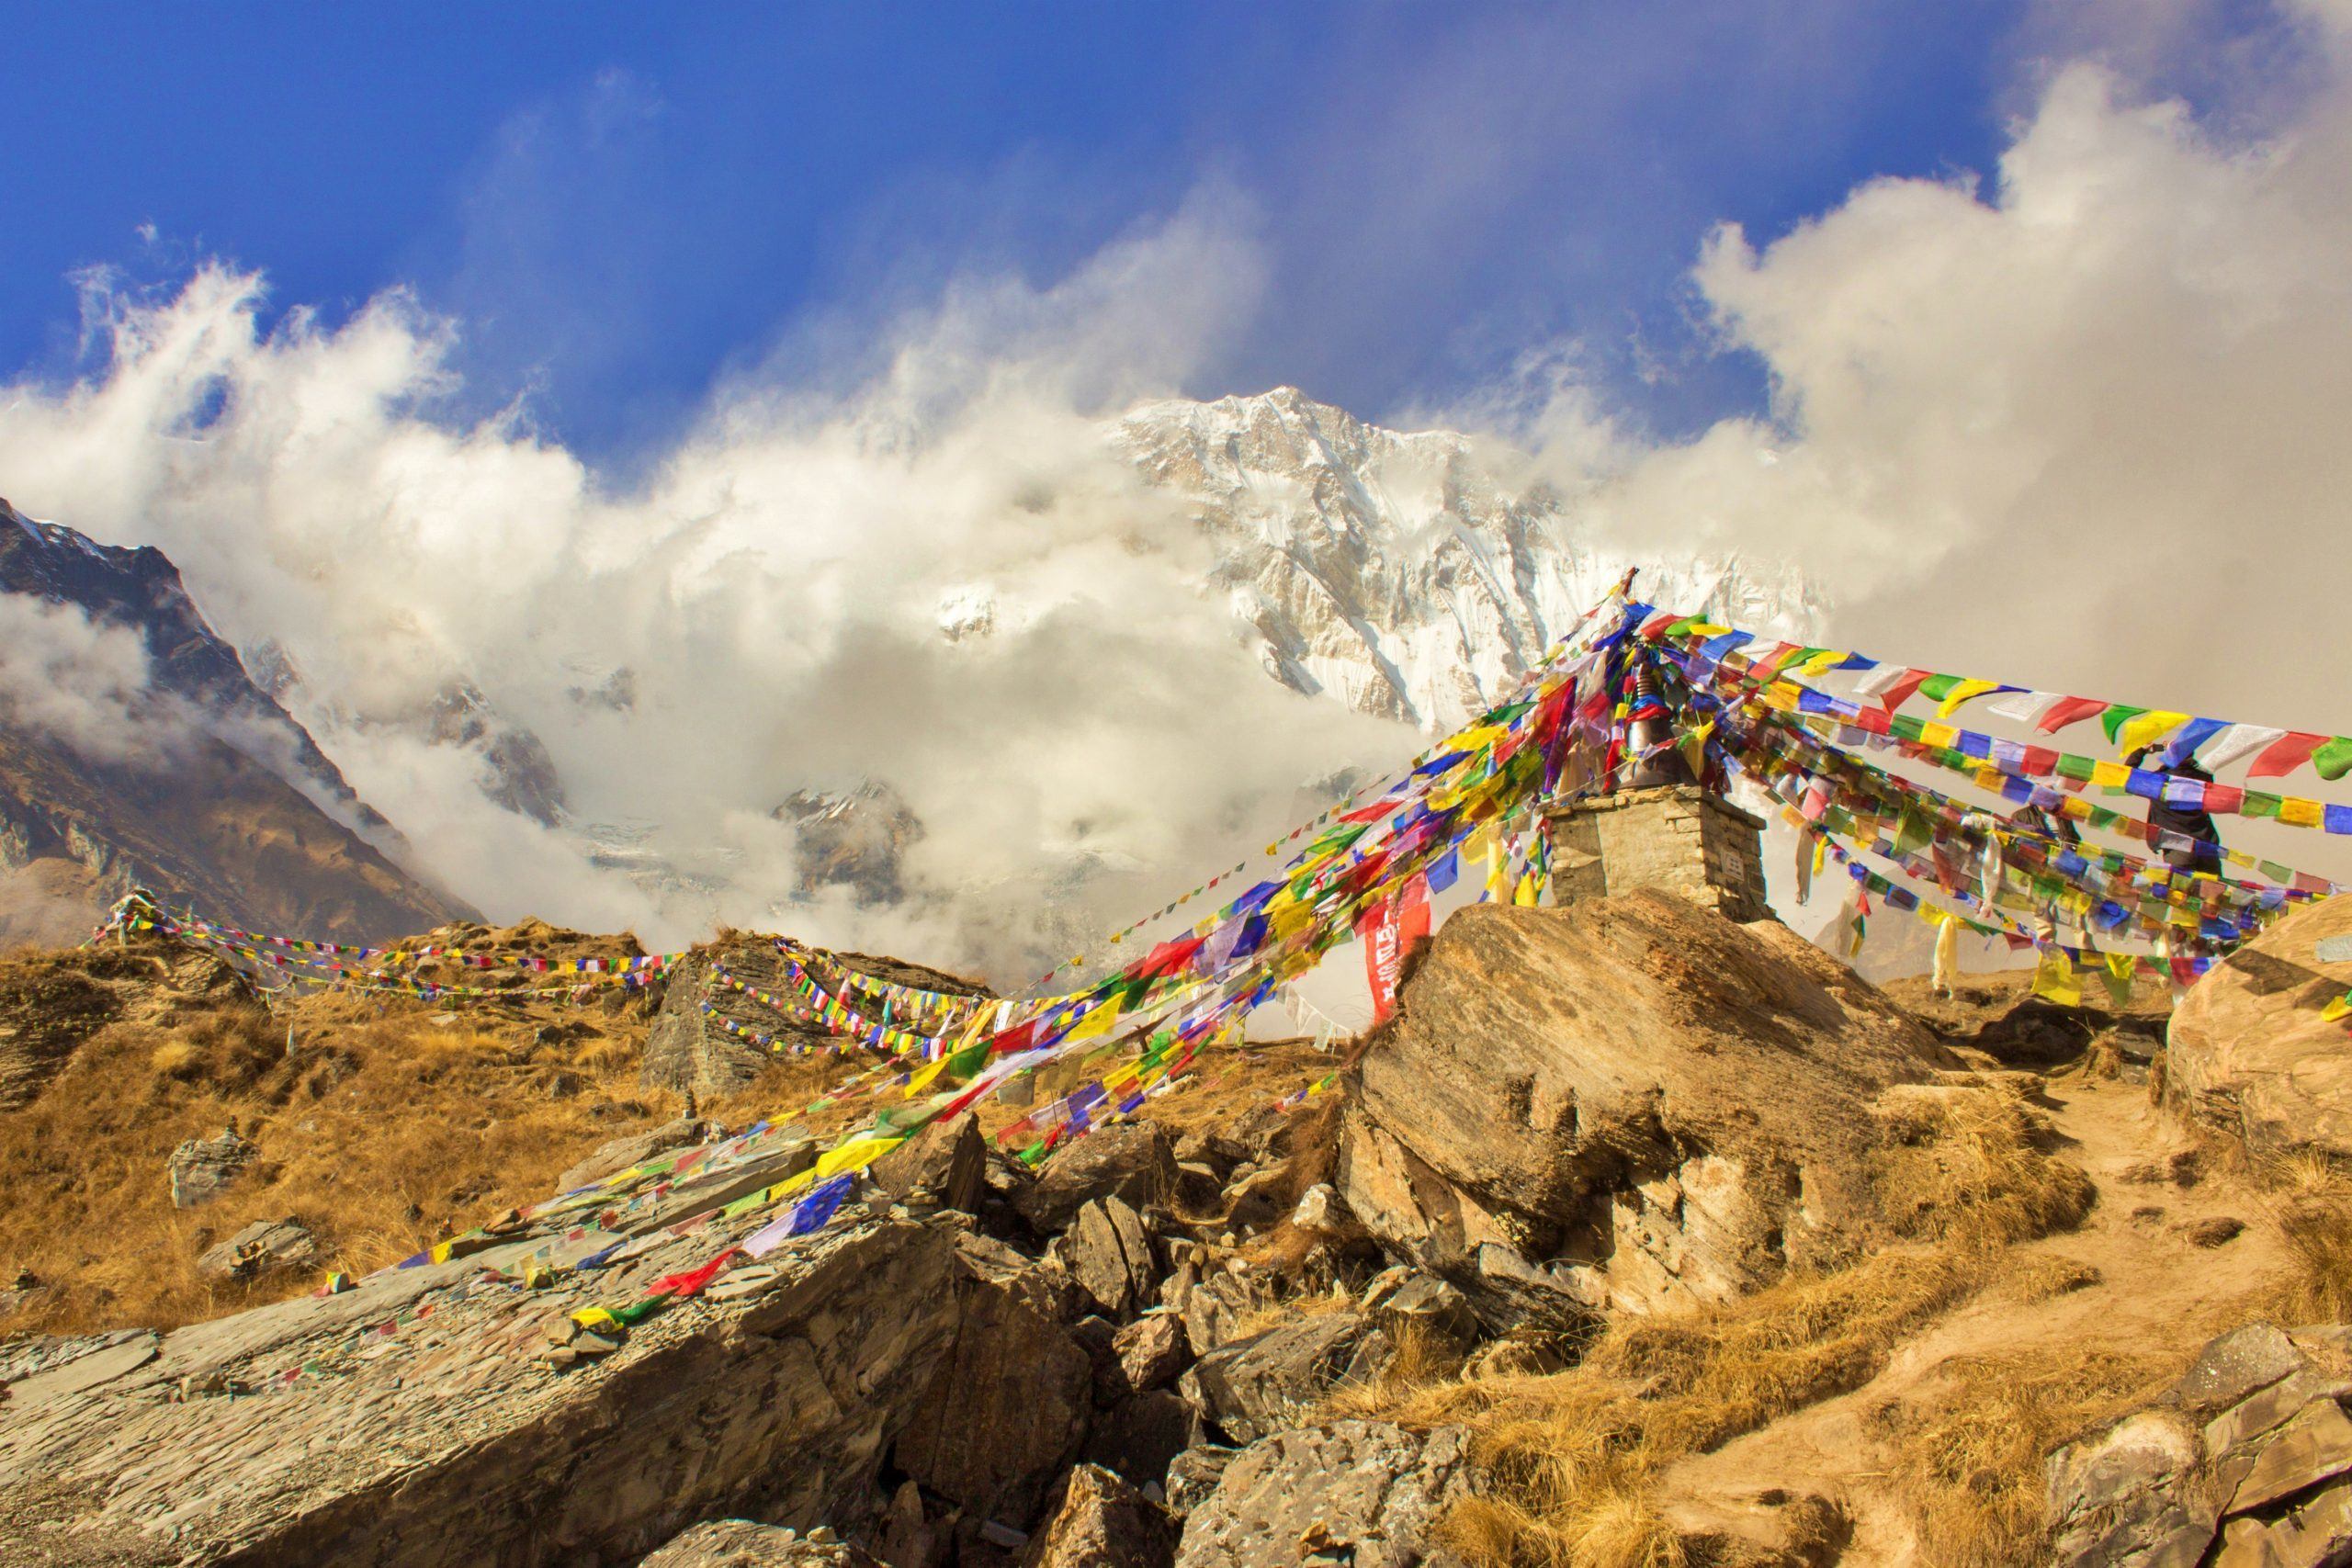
<point x="773" y="586"/>
<point x="84" y="685"/>
<point x="2079" y="425"/>
<point x="2083" y="428"/>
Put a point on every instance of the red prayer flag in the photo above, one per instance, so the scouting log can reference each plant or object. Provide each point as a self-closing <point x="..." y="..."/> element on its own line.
<point x="2066" y="711"/>
<point x="1895" y="696"/>
<point x="1390" y="930"/>
<point x="2284" y="755"/>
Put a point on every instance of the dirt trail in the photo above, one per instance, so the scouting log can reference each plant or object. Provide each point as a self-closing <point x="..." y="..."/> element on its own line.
<point x="2157" y="1289"/>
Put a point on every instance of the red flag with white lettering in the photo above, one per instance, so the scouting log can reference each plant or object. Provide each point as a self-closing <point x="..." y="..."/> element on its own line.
<point x="1390" y="930"/>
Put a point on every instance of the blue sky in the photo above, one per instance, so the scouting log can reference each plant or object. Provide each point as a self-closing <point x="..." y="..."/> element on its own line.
<point x="619" y="204"/>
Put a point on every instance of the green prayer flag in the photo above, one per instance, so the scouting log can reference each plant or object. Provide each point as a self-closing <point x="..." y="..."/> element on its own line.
<point x="2116" y="716"/>
<point x="2334" y="760"/>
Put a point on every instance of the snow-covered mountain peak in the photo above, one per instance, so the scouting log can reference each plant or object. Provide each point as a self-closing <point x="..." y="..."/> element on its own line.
<point x="1392" y="569"/>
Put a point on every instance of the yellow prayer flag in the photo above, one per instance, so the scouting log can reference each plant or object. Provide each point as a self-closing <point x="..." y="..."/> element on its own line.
<point x="1937" y="735"/>
<point x="1960" y="694"/>
<point x="1096" y="1023"/>
<point x="2340" y="1007"/>
<point x="2055" y="978"/>
<point x="2110" y="775"/>
<point x="856" y="1155"/>
<point x="2300" y="812"/>
<point x="2146" y="729"/>
<point x="1822" y="662"/>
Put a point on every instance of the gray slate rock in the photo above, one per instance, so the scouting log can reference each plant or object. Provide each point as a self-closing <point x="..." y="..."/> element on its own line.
<point x="1255" y="1387"/>
<point x="2131" y="1496"/>
<point x="1151" y="1351"/>
<point x="741" y="1543"/>
<point x="1377" y="1493"/>
<point x="259" y="1248"/>
<point x="619" y="1154"/>
<point x="1108" y="1252"/>
<point x="1007" y="1407"/>
<point x="1100" y="1521"/>
<point x="2241" y="1363"/>
<point x="1132" y="1162"/>
<point x="1193" y="1474"/>
<point x="202" y="1169"/>
<point x="945" y="1163"/>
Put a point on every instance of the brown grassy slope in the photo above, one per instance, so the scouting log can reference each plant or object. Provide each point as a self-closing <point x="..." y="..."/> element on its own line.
<point x="383" y="1124"/>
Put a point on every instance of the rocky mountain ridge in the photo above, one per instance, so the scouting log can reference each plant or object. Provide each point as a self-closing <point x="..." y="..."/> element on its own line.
<point x="214" y="796"/>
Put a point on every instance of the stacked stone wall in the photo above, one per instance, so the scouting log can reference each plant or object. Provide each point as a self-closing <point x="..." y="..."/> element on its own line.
<point x="1678" y="836"/>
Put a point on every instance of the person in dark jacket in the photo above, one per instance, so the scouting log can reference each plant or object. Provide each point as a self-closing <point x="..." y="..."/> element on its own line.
<point x="2203" y="852"/>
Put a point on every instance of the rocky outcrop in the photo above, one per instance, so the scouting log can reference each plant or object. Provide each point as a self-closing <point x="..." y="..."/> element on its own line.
<point x="1100" y="1521"/>
<point x="619" y="1154"/>
<point x="1109" y="1252"/>
<point x="689" y="1049"/>
<point x="1252" y="1388"/>
<point x="2246" y="1462"/>
<point x="946" y="1165"/>
<point x="2249" y="1050"/>
<point x="202" y="1169"/>
<point x="259" y="1248"/>
<point x="413" y="1419"/>
<point x="1132" y="1162"/>
<point x="1632" y="1103"/>
<point x="1005" y="1410"/>
<point x="1359" y="1492"/>
<point x="1149" y="1352"/>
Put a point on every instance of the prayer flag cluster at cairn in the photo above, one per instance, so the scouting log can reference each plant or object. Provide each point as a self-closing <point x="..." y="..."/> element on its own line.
<point x="1739" y="711"/>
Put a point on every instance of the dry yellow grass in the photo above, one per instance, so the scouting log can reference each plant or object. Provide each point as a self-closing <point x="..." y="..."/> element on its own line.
<point x="379" y="1128"/>
<point x="2313" y="1201"/>
<point x="1570" y="1459"/>
<point x="1971" y="1471"/>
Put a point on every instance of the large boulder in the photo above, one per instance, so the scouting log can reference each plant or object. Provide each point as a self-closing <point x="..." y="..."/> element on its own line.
<point x="1131" y="1161"/>
<point x="1252" y="1388"/>
<point x="417" y="1419"/>
<point x="260" y="1248"/>
<point x="202" y="1169"/>
<point x="945" y="1164"/>
<point x="1007" y="1408"/>
<point x="2245" y="1462"/>
<point x="692" y="1050"/>
<point x="1360" y="1492"/>
<point x="1100" y="1521"/>
<point x="1631" y="1103"/>
<point x="2249" y="1050"/>
<point x="1109" y="1252"/>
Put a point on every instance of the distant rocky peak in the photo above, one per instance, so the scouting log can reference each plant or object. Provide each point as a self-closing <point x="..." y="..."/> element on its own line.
<point x="855" y="838"/>
<point x="141" y="588"/>
<point x="522" y="776"/>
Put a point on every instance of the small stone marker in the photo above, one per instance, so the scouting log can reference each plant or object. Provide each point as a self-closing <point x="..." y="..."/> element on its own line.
<point x="2333" y="950"/>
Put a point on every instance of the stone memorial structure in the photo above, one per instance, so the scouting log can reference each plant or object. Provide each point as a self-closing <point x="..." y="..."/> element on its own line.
<point x="1677" y="837"/>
